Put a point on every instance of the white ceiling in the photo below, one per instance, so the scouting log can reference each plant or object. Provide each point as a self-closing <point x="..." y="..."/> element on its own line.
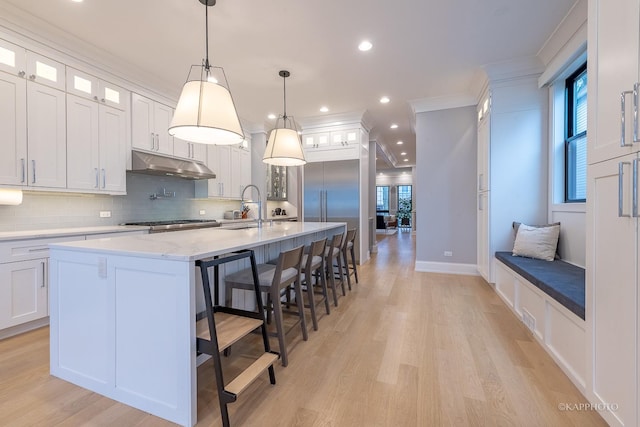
<point x="422" y="49"/>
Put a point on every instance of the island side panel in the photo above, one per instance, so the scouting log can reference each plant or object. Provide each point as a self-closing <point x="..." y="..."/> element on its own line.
<point x="123" y="327"/>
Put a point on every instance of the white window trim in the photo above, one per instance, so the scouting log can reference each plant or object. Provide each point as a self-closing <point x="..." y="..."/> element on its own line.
<point x="557" y="142"/>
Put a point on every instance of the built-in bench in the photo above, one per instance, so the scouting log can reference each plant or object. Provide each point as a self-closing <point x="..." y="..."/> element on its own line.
<point x="562" y="281"/>
<point x="549" y="298"/>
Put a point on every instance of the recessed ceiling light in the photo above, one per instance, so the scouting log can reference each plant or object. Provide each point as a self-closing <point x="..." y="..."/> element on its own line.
<point x="272" y="116"/>
<point x="324" y="109"/>
<point x="384" y="100"/>
<point x="394" y="126"/>
<point x="77" y="1"/>
<point x="403" y="154"/>
<point x="406" y="160"/>
<point x="365" y="45"/>
<point x="399" y="142"/>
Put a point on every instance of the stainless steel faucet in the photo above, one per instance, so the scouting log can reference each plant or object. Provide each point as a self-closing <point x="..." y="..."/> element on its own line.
<point x="259" y="203"/>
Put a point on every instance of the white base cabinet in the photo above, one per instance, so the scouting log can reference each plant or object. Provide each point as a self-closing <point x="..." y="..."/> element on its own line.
<point x="23" y="292"/>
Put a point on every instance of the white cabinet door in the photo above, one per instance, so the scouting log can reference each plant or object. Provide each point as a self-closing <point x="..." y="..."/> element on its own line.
<point x="219" y="161"/>
<point x="142" y="125"/>
<point x="13" y="128"/>
<point x="23" y="292"/>
<point x="483" y="243"/>
<point x="83" y="156"/>
<point x="45" y="71"/>
<point x="46" y="136"/>
<point x="240" y="171"/>
<point x="82" y="84"/>
<point x="484" y="138"/>
<point x="113" y="153"/>
<point x="345" y="138"/>
<point x="612" y="289"/>
<point x="162" y="116"/>
<point x="317" y="140"/>
<point x="613" y="67"/>
<point x="96" y="144"/>
<point x="112" y="95"/>
<point x="12" y="59"/>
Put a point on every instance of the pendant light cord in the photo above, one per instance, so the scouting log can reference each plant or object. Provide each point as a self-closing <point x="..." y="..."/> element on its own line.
<point x="284" y="85"/>
<point x="207" y="67"/>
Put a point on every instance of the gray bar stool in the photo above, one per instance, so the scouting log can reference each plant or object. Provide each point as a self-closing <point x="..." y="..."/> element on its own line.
<point x="349" y="249"/>
<point x="333" y="252"/>
<point x="313" y="269"/>
<point x="273" y="279"/>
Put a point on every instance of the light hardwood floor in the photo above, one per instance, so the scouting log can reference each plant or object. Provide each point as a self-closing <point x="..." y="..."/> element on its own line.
<point x="402" y="349"/>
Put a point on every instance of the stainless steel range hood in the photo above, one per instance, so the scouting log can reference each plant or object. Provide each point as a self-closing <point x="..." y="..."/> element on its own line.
<point x="155" y="164"/>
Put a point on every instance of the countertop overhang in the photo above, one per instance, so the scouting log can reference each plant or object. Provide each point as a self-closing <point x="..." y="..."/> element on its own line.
<point x="192" y="245"/>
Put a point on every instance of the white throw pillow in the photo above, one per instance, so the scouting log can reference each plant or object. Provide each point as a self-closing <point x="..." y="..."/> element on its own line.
<point x="534" y="242"/>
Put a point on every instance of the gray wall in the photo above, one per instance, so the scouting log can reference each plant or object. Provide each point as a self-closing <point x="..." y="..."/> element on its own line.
<point x="445" y="188"/>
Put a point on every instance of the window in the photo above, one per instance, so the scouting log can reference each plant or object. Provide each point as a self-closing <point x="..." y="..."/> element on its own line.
<point x="576" y="137"/>
<point x="382" y="198"/>
<point x="404" y="197"/>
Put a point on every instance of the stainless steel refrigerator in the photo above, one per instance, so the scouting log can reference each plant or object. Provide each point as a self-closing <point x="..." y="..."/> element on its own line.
<point x="332" y="193"/>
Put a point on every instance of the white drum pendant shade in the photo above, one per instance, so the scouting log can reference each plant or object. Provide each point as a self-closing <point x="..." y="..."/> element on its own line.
<point x="284" y="148"/>
<point x="206" y="114"/>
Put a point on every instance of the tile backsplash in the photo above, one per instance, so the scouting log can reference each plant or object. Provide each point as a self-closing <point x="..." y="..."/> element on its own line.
<point x="40" y="210"/>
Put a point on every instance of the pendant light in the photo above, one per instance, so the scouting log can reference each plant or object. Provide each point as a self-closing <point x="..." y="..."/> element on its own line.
<point x="284" y="147"/>
<point x="205" y="112"/>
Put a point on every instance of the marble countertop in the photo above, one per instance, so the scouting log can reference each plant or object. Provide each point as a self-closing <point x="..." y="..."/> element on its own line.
<point x="191" y="245"/>
<point x="63" y="232"/>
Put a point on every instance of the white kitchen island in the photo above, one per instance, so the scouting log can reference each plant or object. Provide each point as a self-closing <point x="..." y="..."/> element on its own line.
<point x="123" y="310"/>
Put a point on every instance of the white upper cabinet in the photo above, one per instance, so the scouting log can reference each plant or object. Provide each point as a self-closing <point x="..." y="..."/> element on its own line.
<point x="345" y="138"/>
<point x="87" y="86"/>
<point x="150" y="123"/>
<point x="189" y="150"/>
<point x="46" y="136"/>
<point x="13" y="59"/>
<point x="232" y="166"/>
<point x="96" y="144"/>
<point x="316" y="140"/>
<point x="13" y="128"/>
<point x="45" y="71"/>
<point x="613" y="64"/>
<point x="35" y="154"/>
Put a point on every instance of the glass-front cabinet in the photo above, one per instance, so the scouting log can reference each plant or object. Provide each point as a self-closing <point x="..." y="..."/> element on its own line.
<point x="276" y="182"/>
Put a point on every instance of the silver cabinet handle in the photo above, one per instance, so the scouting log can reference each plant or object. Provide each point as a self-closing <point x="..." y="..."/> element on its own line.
<point x="97" y="177"/>
<point x="621" y="213"/>
<point x="623" y="127"/>
<point x="153" y="141"/>
<point x="95" y="97"/>
<point x="480" y="180"/>
<point x="104" y="178"/>
<point x="634" y="191"/>
<point x="24" y="171"/>
<point x="480" y="204"/>
<point x="44" y="274"/>
<point x="636" y="87"/>
<point x="32" y="76"/>
<point x="157" y="142"/>
<point x="33" y="166"/>
<point x="21" y="74"/>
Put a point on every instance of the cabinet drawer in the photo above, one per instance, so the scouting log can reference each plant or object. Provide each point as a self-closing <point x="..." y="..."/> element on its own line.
<point x="22" y="250"/>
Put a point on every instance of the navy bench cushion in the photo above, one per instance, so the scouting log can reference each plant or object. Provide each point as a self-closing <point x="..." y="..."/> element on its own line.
<point x="560" y="280"/>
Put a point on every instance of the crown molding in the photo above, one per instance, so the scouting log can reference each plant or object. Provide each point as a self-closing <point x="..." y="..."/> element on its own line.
<point x="513" y="69"/>
<point x="436" y="103"/>
<point x="360" y="118"/>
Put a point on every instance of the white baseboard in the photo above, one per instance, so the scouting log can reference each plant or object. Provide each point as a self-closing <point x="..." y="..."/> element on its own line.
<point x="447" y="267"/>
